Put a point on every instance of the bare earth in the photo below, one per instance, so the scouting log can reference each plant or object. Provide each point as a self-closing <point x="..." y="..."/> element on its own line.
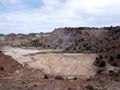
<point x="54" y="63"/>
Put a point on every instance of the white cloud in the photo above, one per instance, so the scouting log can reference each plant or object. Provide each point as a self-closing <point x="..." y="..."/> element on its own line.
<point x="61" y="13"/>
<point x="9" y="2"/>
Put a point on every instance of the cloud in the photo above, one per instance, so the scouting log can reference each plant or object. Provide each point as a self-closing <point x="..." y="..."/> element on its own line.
<point x="9" y="2"/>
<point x="36" y="16"/>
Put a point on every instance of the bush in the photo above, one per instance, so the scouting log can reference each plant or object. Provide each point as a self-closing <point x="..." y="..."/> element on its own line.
<point x="111" y="58"/>
<point x="1" y="68"/>
<point x="45" y="76"/>
<point x="58" y="77"/>
<point x="114" y="74"/>
<point x="100" y="57"/>
<point x="118" y="56"/>
<point x="75" y="78"/>
<point x="0" y="51"/>
<point x="113" y="63"/>
<point x="90" y="87"/>
<point x="99" y="71"/>
<point x="102" y="64"/>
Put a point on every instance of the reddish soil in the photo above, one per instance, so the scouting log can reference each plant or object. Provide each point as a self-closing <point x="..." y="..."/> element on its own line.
<point x="8" y="65"/>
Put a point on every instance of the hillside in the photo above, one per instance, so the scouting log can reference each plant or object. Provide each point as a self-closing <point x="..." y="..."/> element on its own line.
<point x="81" y="58"/>
<point x="79" y="39"/>
<point x="8" y="66"/>
<point x="102" y="41"/>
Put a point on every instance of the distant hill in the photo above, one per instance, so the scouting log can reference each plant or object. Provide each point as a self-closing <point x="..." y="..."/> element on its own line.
<point x="103" y="41"/>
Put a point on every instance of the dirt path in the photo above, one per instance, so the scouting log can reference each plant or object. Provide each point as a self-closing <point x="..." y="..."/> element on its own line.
<point x="54" y="63"/>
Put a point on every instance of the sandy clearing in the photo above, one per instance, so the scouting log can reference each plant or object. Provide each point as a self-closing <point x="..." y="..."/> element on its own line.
<point x="53" y="63"/>
<point x="65" y="64"/>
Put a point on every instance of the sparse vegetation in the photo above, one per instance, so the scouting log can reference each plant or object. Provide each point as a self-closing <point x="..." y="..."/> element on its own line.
<point x="2" y="68"/>
<point x="105" y="42"/>
<point x="89" y="87"/>
<point x="46" y="76"/>
<point x="59" y="77"/>
<point x="114" y="73"/>
<point x="118" y="56"/>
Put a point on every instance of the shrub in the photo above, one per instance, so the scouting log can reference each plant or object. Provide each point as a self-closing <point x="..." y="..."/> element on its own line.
<point x="1" y="68"/>
<point x="97" y="58"/>
<point x="35" y="85"/>
<point x="90" y="87"/>
<point x="45" y="76"/>
<point x="58" y="77"/>
<point x="114" y="74"/>
<point x="100" y="57"/>
<point x="0" y="51"/>
<point x="67" y="49"/>
<point x="118" y="56"/>
<point x="99" y="71"/>
<point x="111" y="58"/>
<point x="97" y="62"/>
<point x="102" y="64"/>
<point x="75" y="78"/>
<point x="113" y="63"/>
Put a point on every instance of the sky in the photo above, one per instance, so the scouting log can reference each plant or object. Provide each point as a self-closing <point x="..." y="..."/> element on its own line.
<point x="28" y="16"/>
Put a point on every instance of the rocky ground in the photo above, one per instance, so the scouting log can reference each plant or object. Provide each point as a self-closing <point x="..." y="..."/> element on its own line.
<point x="52" y="62"/>
<point x="28" y="77"/>
<point x="52" y="84"/>
<point x="88" y="59"/>
<point x="8" y="65"/>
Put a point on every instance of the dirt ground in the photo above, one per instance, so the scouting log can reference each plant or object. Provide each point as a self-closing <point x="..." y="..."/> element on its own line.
<point x="40" y="62"/>
<point x="54" y="63"/>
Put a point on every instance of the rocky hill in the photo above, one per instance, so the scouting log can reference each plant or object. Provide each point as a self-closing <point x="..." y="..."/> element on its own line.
<point x="103" y="41"/>
<point x="80" y="39"/>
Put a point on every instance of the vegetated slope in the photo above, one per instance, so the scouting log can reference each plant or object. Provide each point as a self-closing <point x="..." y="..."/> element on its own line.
<point x="80" y="39"/>
<point x="95" y="40"/>
<point x="105" y="42"/>
<point x="8" y="65"/>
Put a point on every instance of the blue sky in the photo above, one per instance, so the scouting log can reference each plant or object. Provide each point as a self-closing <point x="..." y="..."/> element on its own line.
<point x="27" y="16"/>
